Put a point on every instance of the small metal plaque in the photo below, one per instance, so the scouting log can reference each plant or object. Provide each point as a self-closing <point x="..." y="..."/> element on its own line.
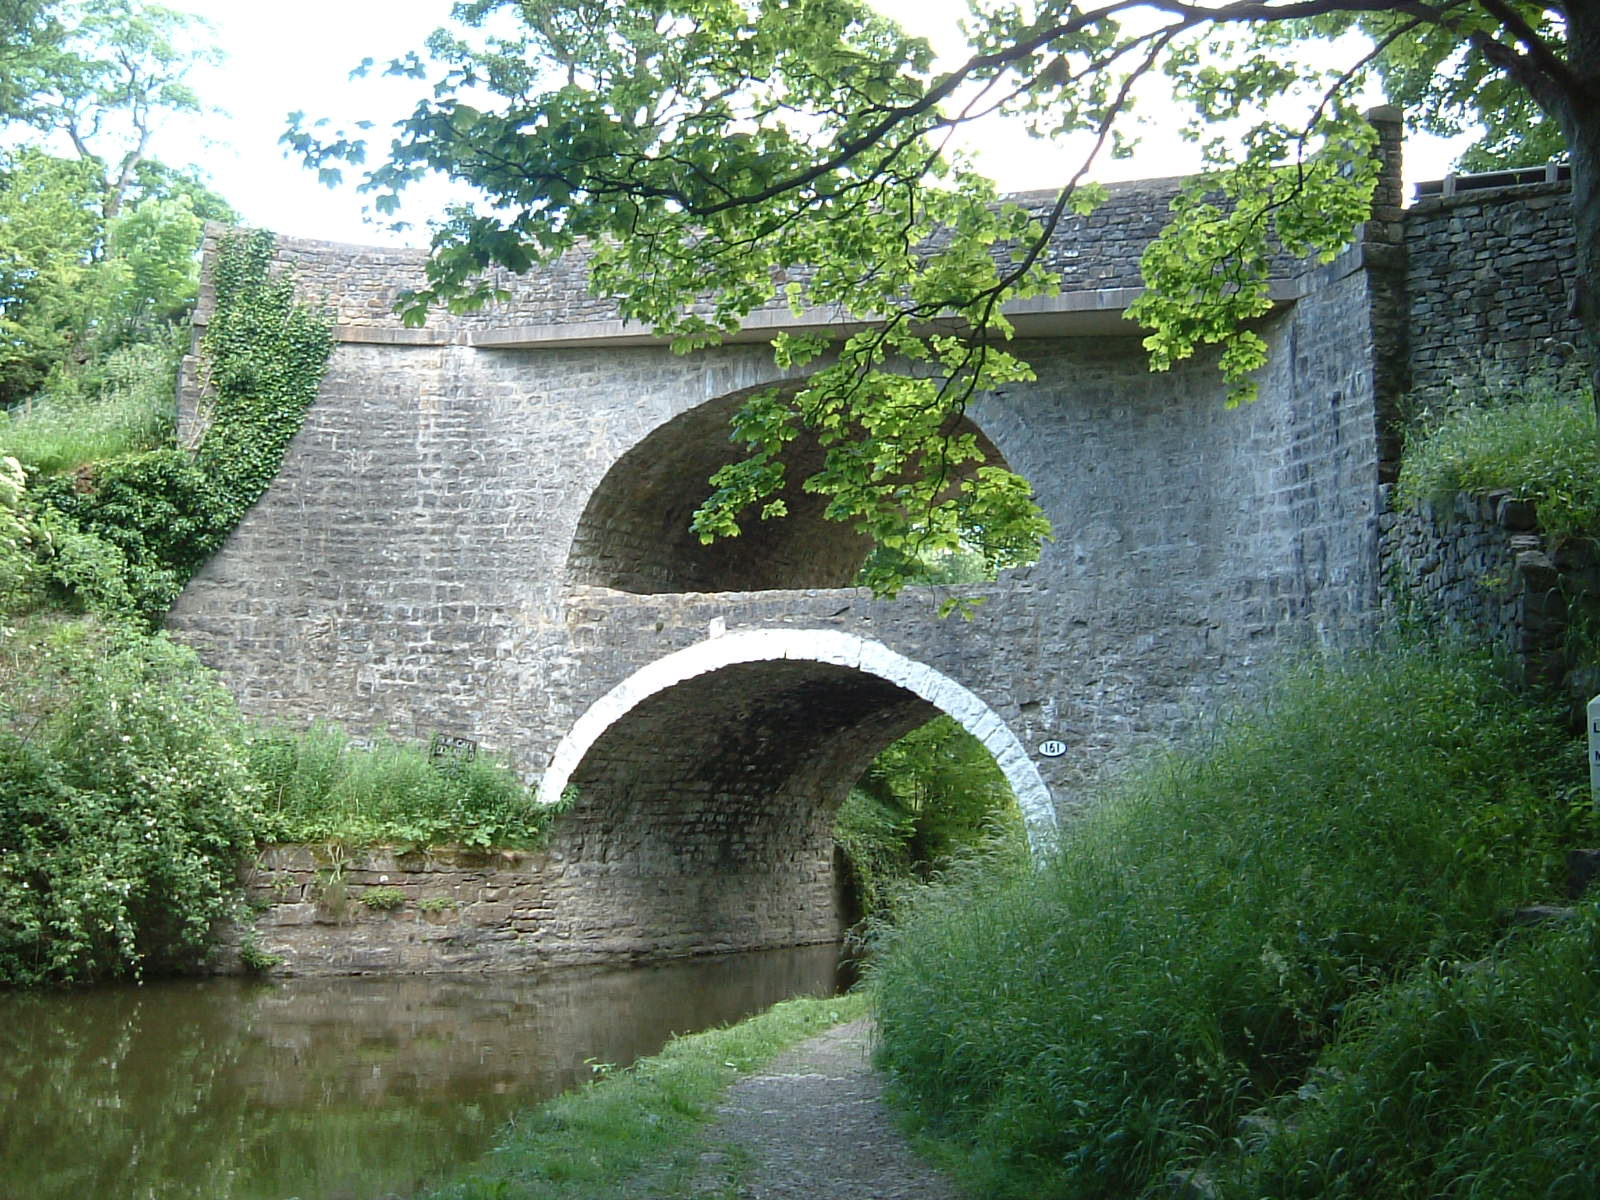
<point x="1594" y="748"/>
<point x="1054" y="748"/>
<point x="447" y="748"/>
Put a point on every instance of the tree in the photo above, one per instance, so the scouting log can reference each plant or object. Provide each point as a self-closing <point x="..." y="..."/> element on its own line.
<point x="103" y="78"/>
<point x="97" y="246"/>
<point x="707" y="148"/>
<point x="28" y="30"/>
<point x="49" y="225"/>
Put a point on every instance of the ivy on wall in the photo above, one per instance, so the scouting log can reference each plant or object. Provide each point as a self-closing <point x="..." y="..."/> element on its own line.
<point x="123" y="537"/>
<point x="263" y="358"/>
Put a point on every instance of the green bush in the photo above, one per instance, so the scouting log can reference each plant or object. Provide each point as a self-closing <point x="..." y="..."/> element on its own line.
<point x="1535" y="437"/>
<point x="124" y="804"/>
<point x="1477" y="1080"/>
<point x="1193" y="947"/>
<point x="155" y="518"/>
<point x="931" y="796"/>
<point x="317" y="787"/>
<point x="18" y="566"/>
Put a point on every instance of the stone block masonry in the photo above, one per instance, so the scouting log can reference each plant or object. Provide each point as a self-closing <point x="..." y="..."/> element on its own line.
<point x="1488" y="276"/>
<point x="466" y="911"/>
<point x="479" y="532"/>
<point x="1482" y="568"/>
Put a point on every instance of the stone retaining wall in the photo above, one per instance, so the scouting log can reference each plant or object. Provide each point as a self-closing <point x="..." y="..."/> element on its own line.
<point x="1482" y="567"/>
<point x="451" y="909"/>
<point x="1488" y="274"/>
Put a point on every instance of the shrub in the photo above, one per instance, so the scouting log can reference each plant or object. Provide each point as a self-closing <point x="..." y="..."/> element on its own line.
<point x="124" y="804"/>
<point x="318" y="787"/>
<point x="17" y="565"/>
<point x="1194" y="945"/>
<point x="156" y="519"/>
<point x="1535" y="436"/>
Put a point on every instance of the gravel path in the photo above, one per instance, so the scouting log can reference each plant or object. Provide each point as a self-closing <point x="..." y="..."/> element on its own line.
<point x="813" y="1125"/>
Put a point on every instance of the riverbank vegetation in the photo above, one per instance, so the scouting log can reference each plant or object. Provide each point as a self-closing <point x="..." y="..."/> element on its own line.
<point x="315" y="785"/>
<point x="1222" y="940"/>
<point x="131" y="789"/>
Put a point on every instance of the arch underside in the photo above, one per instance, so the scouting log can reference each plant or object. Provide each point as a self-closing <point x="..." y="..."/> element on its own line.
<point x="634" y="533"/>
<point x="708" y="785"/>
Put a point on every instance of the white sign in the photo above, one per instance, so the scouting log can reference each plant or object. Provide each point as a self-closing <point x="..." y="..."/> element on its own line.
<point x="1594" y="748"/>
<point x="1055" y="749"/>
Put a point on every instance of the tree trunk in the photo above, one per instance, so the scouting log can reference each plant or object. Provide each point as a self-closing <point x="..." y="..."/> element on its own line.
<point x="1580" y="121"/>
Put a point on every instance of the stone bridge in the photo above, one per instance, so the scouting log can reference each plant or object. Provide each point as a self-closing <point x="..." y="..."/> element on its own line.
<point x="481" y="532"/>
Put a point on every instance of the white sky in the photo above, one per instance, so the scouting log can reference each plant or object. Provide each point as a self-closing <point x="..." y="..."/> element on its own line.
<point x="297" y="54"/>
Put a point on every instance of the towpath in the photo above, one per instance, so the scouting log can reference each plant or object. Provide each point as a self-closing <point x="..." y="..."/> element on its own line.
<point x="813" y="1125"/>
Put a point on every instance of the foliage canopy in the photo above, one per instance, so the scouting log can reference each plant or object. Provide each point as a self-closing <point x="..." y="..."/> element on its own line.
<point x="97" y="239"/>
<point x="717" y="155"/>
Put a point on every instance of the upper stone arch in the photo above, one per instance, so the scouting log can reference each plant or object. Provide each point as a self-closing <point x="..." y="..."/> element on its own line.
<point x="634" y="535"/>
<point x="858" y="694"/>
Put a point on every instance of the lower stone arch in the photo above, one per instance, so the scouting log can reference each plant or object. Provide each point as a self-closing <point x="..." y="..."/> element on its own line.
<point x="819" y="646"/>
<point x="708" y="781"/>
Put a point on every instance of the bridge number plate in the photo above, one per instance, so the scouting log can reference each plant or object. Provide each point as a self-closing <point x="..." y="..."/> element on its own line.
<point x="1052" y="748"/>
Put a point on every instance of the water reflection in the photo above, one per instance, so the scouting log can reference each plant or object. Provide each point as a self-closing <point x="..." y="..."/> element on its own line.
<point x="328" y="1089"/>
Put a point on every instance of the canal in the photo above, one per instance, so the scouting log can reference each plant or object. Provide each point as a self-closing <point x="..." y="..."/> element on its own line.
<point x="330" y="1089"/>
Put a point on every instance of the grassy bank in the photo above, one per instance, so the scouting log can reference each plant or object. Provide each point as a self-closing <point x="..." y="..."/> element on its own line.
<point x="639" y="1133"/>
<point x="131" y="787"/>
<point x="1196" y="952"/>
<point x="1533" y="435"/>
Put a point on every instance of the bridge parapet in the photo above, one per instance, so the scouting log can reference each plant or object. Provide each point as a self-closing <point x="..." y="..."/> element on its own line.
<point x="1096" y="257"/>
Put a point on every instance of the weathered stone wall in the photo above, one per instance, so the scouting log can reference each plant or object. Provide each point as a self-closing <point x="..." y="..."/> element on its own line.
<point x="1482" y="568"/>
<point x="485" y="540"/>
<point x="1489" y="274"/>
<point x="466" y="910"/>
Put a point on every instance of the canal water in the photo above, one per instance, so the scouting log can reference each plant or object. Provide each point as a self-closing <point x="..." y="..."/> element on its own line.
<point x="330" y="1089"/>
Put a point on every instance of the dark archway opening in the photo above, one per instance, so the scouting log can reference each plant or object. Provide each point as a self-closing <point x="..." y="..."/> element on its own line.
<point x="634" y="534"/>
<point x="705" y="816"/>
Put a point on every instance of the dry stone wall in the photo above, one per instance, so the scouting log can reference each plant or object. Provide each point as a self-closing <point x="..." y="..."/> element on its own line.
<point x="1482" y="568"/>
<point x="1489" y="274"/>
<point x="460" y="910"/>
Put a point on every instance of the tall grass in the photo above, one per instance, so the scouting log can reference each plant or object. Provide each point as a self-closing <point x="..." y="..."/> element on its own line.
<point x="1092" y="1027"/>
<point x="1478" y="1081"/>
<point x="318" y="786"/>
<point x="128" y="405"/>
<point x="1535" y="436"/>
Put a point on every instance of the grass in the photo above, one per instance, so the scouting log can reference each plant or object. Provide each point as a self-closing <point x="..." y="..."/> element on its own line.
<point x="1535" y="437"/>
<point x="1475" y="1080"/>
<point x="1091" y="1028"/>
<point x="131" y="408"/>
<point x="319" y="787"/>
<point x="639" y="1133"/>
